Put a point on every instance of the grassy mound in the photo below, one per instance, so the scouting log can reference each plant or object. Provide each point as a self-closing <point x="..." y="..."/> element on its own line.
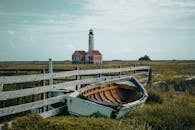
<point x="35" y="122"/>
<point x="176" y="112"/>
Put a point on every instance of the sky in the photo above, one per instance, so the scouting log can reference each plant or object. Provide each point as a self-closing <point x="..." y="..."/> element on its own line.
<point x="33" y="30"/>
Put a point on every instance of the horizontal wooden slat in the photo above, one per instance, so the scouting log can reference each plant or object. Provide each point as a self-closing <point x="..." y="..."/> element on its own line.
<point x="42" y="89"/>
<point x="31" y="91"/>
<point x="37" y="90"/>
<point x="37" y="77"/>
<point x="53" y="112"/>
<point x="28" y="106"/>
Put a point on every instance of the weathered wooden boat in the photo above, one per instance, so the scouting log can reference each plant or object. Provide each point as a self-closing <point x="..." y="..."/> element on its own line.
<point x="111" y="99"/>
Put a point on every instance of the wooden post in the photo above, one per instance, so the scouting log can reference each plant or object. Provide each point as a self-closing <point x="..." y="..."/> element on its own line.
<point x="100" y="74"/>
<point x="53" y="94"/>
<point x="50" y="71"/>
<point x="119" y="71"/>
<point x="149" y="76"/>
<point x="1" y="87"/>
<point x="44" y="94"/>
<point x="2" y="102"/>
<point x="77" y="78"/>
<point x="77" y="68"/>
<point x="134" y="68"/>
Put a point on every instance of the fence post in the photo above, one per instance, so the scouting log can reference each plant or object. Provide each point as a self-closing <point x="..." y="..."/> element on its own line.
<point x="44" y="94"/>
<point x="50" y="70"/>
<point x="149" y="76"/>
<point x="77" y="68"/>
<point x="1" y="90"/>
<point x="77" y="78"/>
<point x="120" y="71"/>
<point x="1" y="87"/>
<point x="52" y="94"/>
<point x="100" y="74"/>
<point x="134" y="68"/>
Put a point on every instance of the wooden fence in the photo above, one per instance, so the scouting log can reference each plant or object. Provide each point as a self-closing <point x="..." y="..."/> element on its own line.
<point x="65" y="87"/>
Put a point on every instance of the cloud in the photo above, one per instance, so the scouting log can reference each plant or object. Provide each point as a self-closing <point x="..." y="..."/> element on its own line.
<point x="12" y="44"/>
<point x="131" y="15"/>
<point x="11" y="32"/>
<point x="69" y="46"/>
<point x="122" y="25"/>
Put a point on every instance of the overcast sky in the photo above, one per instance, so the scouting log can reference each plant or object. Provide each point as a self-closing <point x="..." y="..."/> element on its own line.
<point x="124" y="29"/>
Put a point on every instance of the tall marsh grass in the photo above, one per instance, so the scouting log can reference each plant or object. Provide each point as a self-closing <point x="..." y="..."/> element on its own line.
<point x="175" y="112"/>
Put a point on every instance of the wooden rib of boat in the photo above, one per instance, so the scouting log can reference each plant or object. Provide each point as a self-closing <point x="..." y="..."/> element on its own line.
<point x="112" y="95"/>
<point x="109" y="99"/>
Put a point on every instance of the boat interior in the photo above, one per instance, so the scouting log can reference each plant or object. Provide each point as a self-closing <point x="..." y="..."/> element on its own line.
<point x="112" y="95"/>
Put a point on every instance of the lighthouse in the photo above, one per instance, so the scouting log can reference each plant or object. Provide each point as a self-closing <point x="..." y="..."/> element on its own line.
<point x="91" y="41"/>
<point x="90" y="57"/>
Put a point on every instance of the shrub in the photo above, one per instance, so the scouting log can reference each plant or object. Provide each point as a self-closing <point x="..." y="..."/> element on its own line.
<point x="144" y="58"/>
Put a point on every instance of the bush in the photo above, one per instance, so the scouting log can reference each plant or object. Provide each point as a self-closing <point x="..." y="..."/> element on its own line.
<point x="144" y="58"/>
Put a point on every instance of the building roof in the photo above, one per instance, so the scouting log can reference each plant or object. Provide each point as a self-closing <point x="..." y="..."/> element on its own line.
<point x="81" y="52"/>
<point x="95" y="52"/>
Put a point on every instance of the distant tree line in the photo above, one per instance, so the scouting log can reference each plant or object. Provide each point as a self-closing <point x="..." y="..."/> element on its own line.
<point x="144" y="58"/>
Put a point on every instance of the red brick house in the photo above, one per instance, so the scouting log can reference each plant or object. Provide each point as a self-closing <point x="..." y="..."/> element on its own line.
<point x="78" y="57"/>
<point x="93" y="57"/>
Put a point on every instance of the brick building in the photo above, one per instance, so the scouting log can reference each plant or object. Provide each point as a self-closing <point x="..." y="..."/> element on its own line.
<point x="78" y="57"/>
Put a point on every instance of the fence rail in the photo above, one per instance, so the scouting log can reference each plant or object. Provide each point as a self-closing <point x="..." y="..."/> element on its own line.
<point x="30" y="106"/>
<point x="68" y="85"/>
<point x="38" y="77"/>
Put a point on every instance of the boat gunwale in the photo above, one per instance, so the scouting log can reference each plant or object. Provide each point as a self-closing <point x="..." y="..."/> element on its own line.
<point x="135" y="103"/>
<point x="91" y="86"/>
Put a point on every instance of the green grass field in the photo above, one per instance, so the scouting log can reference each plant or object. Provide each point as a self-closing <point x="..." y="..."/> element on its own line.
<point x="174" y="112"/>
<point x="175" y="67"/>
<point x="164" y="110"/>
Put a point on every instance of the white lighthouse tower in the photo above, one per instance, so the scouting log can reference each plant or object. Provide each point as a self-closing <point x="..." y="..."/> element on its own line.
<point x="91" y="41"/>
<point x="90" y="57"/>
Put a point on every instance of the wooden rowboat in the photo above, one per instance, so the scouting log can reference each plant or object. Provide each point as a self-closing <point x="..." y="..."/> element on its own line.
<point x="112" y="99"/>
